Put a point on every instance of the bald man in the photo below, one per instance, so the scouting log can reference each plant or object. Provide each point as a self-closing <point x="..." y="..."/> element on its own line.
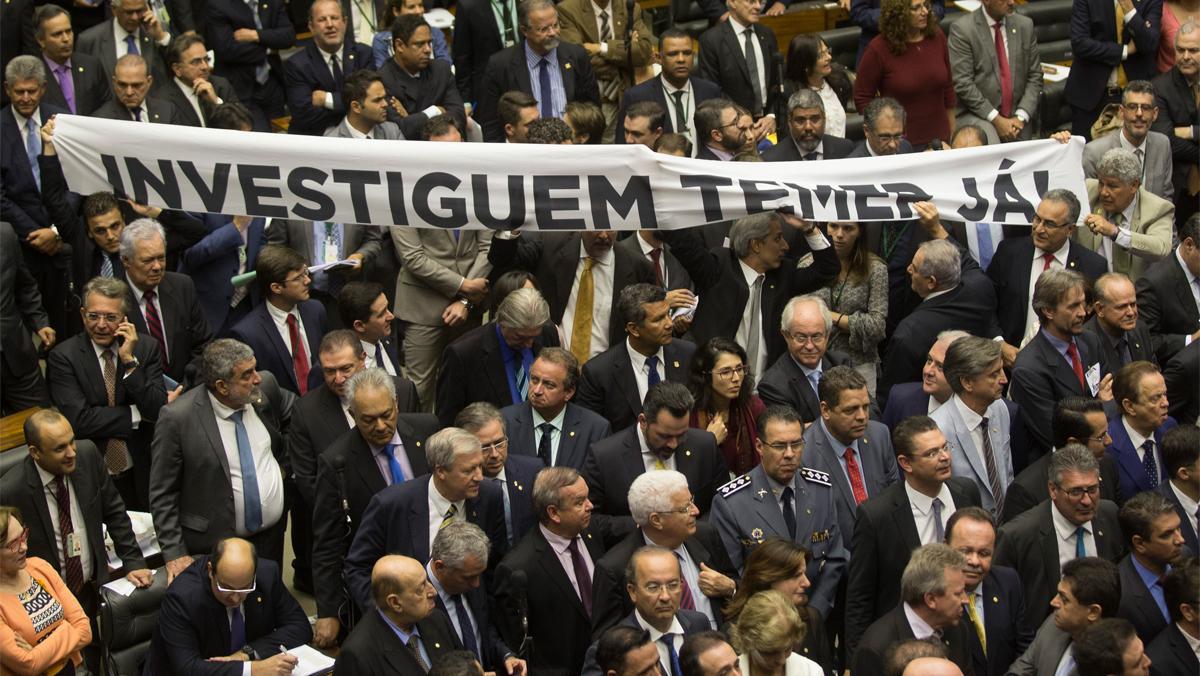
<point x="404" y="612"/>
<point x="932" y="666"/>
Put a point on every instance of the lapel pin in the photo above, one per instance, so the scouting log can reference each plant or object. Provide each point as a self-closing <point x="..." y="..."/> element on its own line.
<point x="995" y="599"/>
<point x="589" y="536"/>
<point x="808" y="510"/>
<point x="770" y="286"/>
<point x="567" y="66"/>
<point x="571" y="433"/>
<point x="351" y="57"/>
<point x="688" y="453"/>
<point x="437" y="645"/>
<point x="418" y="444"/>
<point x="81" y="69"/>
<point x="762" y="492"/>
<point x="675" y="363"/>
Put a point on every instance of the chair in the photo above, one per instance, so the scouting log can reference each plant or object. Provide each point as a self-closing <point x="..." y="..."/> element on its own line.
<point x="12" y="458"/>
<point x="843" y="44"/>
<point x="126" y="624"/>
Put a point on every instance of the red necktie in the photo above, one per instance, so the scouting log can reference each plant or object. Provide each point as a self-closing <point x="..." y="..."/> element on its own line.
<point x="72" y="564"/>
<point x="1076" y="365"/>
<point x="685" y="598"/>
<point x="856" y="482"/>
<point x="299" y="356"/>
<point x="656" y="258"/>
<point x="1006" y="87"/>
<point x="154" y="325"/>
<point x="1049" y="258"/>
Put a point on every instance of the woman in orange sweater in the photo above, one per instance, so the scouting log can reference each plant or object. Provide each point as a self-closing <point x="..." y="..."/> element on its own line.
<point x="42" y="627"/>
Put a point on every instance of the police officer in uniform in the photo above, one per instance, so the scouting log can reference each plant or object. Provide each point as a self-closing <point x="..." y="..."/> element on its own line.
<point x="780" y="497"/>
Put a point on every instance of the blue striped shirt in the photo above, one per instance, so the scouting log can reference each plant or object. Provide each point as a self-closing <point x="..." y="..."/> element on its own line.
<point x="558" y="95"/>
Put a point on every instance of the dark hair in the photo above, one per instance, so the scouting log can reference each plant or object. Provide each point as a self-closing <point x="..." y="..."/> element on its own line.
<point x="968" y="357"/>
<point x="44" y="13"/>
<point x="672" y="33"/>
<point x="456" y="663"/>
<point x="438" y="125"/>
<point x="275" y="262"/>
<point x="338" y="339"/>
<point x="632" y="301"/>
<point x="650" y="110"/>
<point x="1094" y="580"/>
<point x="615" y="643"/>
<point x="701" y="367"/>
<point x="1138" y="87"/>
<point x="1190" y="229"/>
<point x="218" y="552"/>
<point x="1070" y="420"/>
<point x="881" y="105"/>
<point x="694" y="647"/>
<point x="972" y="513"/>
<point x="673" y="143"/>
<point x="803" y="53"/>
<point x="777" y="413"/>
<point x="894" y="20"/>
<point x="565" y="359"/>
<point x="837" y="380"/>
<point x="773" y="560"/>
<point x="506" y="284"/>
<point x="354" y="89"/>
<point x="708" y="117"/>
<point x="1182" y="585"/>
<point x="1180" y="448"/>
<point x="179" y="45"/>
<point x="672" y="397"/>
<point x="900" y="654"/>
<point x="861" y="257"/>
<point x="586" y="117"/>
<point x="405" y="25"/>
<point x="1100" y="648"/>
<point x="355" y="301"/>
<point x="98" y="203"/>
<point x="511" y="104"/>
<point x="903" y="434"/>
<point x="1128" y="381"/>
<point x="550" y="131"/>
<point x="231" y="116"/>
<point x="1138" y="514"/>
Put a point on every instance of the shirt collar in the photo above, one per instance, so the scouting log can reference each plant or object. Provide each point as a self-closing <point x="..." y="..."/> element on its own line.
<point x="532" y="58"/>
<point x="1062" y="526"/>
<point x="596" y="9"/>
<point x="501" y="476"/>
<point x="355" y="133"/>
<point x="748" y="273"/>
<point x="440" y="503"/>
<point x="395" y="441"/>
<point x="1191" y="279"/>
<point x="675" y="628"/>
<point x="992" y="22"/>
<point x="605" y="259"/>
<point x="920" y="628"/>
<point x="970" y="418"/>
<point x="22" y="120"/>
<point x="138" y="294"/>
<point x="1189" y="505"/>
<point x="1127" y="212"/>
<point x="222" y="410"/>
<point x="1135" y="437"/>
<point x="278" y="315"/>
<point x="670" y="88"/>
<point x="935" y="294"/>
<point x="404" y="636"/>
<point x="120" y="33"/>
<point x="645" y="247"/>
<point x="639" y="359"/>
<point x="54" y="65"/>
<point x="1060" y="255"/>
<point x="641" y="435"/>
<point x="186" y="88"/>
<point x="738" y="27"/>
<point x="819" y="150"/>
<point x="1148" y="578"/>
<point x="557" y="422"/>
<point x="1193" y="642"/>
<point x="46" y="477"/>
<point x="721" y="153"/>
<point x="100" y="351"/>
<point x="557" y="542"/>
<point x="838" y="447"/>
<point x="437" y="584"/>
<point x="1058" y="343"/>
<point x="1127" y="144"/>
<point x="924" y="503"/>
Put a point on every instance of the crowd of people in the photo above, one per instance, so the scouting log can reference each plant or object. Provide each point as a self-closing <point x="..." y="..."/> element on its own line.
<point x="770" y="447"/>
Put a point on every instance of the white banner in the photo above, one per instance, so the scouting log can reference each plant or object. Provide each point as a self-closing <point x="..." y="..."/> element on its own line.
<point x="476" y="185"/>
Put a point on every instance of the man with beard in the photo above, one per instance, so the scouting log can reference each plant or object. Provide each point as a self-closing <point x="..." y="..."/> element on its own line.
<point x="1153" y="149"/>
<point x="720" y="131"/>
<point x="806" y="123"/>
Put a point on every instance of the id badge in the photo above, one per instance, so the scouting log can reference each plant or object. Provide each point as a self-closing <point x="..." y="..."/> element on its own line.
<point x="1093" y="378"/>
<point x="331" y="251"/>
<point x="242" y="257"/>
<point x="73" y="548"/>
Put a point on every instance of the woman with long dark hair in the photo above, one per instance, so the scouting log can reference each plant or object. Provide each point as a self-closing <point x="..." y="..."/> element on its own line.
<point x="857" y="300"/>
<point x="810" y="64"/>
<point x="722" y="384"/>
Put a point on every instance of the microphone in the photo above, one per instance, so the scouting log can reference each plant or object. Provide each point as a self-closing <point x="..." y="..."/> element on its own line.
<point x="781" y="111"/>
<point x="339" y="466"/>
<point x="520" y="585"/>
<point x="629" y="8"/>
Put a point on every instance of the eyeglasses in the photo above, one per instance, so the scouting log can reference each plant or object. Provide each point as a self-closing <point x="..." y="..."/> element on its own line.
<point x="1078" y="492"/>
<point x="656" y="588"/>
<point x="1049" y="225"/>
<point x="545" y="30"/>
<point x="735" y="125"/>
<point x="931" y="454"/>
<point x="225" y="590"/>
<point x="802" y="338"/>
<point x="686" y="509"/>
<point x="1139" y="107"/>
<point x="729" y="373"/>
<point x="15" y="545"/>
<point x="888" y="138"/>
<point x="303" y="275"/>
<point x="781" y="446"/>
<point x="498" y="445"/>
<point x="107" y="318"/>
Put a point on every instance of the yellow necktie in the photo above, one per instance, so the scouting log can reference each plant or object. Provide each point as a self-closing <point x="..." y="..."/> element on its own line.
<point x="1121" y="80"/>
<point x="658" y="464"/>
<point x="450" y="514"/>
<point x="974" y="615"/>
<point x="581" y="325"/>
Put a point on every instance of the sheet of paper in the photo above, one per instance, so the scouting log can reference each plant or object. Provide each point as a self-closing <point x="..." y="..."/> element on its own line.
<point x="346" y="263"/>
<point x="312" y="661"/>
<point x="121" y="586"/>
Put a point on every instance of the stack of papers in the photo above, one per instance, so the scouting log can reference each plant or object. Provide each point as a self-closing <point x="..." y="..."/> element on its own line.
<point x="312" y="661"/>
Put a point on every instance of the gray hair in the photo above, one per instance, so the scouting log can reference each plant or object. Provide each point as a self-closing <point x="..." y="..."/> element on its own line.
<point x="942" y="262"/>
<point x="968" y="358"/>
<point x="1137" y="87"/>
<point x="445" y="445"/>
<point x="881" y="105"/>
<point x="926" y="572"/>
<point x="219" y="359"/>
<point x="456" y="541"/>
<point x="748" y="229"/>
<point x="651" y="492"/>
<point x="108" y="287"/>
<point x="805" y="98"/>
<point x="25" y="68"/>
<point x="523" y="309"/>
<point x="141" y="230"/>
<point x="478" y="414"/>
<point x="1052" y="286"/>
<point x="1185" y="29"/>
<point x="1071" y="458"/>
<point x="789" y="310"/>
<point x="1120" y="164"/>
<point x="1064" y="196"/>
<point x="633" y="299"/>
<point x="525" y="7"/>
<point x="133" y="60"/>
<point x="951" y="335"/>
<point x="370" y="379"/>
<point x="547" y="489"/>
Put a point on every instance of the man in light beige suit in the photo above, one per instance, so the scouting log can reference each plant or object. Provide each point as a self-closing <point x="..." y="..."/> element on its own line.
<point x="1128" y="225"/>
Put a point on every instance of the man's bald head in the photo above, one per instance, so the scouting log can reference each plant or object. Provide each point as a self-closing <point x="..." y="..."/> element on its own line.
<point x="231" y="570"/>
<point x="932" y="666"/>
<point x="401" y="589"/>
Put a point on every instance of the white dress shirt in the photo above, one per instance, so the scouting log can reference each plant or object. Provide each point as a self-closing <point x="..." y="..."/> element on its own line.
<point x="688" y="101"/>
<point x="1032" y="326"/>
<point x="438" y="505"/>
<point x="387" y="364"/>
<point x="646" y="248"/>
<point x="602" y="300"/>
<point x="641" y="369"/>
<point x="281" y="325"/>
<point x="920" y="628"/>
<point x="190" y="95"/>
<point x="1137" y="440"/>
<point x="649" y="458"/>
<point x="1189" y="505"/>
<point x="743" y="337"/>
<point x="266" y="468"/>
<point x="78" y="525"/>
<point x="1066" y="536"/>
<point x="922" y="511"/>
<point x="676" y="632"/>
<point x="1193" y="642"/>
<point x="555" y="432"/>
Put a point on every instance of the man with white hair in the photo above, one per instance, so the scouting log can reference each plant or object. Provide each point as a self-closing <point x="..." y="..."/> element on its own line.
<point x="793" y="379"/>
<point x="666" y="516"/>
<point x="1128" y="225"/>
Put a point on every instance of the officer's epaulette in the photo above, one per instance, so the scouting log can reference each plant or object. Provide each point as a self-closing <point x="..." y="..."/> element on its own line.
<point x="734" y="486"/>
<point x="815" y="476"/>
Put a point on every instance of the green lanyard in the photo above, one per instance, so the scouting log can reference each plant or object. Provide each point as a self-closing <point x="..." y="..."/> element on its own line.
<point x="503" y="11"/>
<point x="892" y="237"/>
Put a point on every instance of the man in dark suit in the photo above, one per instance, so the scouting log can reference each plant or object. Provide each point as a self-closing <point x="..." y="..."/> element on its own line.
<point x="615" y="382"/>
<point x="233" y="606"/>
<point x="492" y="362"/>
<point x="131" y="82"/>
<point x="423" y="86"/>
<point x="883" y="132"/>
<point x="406" y="517"/>
<point x="549" y="425"/>
<point x="541" y="598"/>
<point x="21" y="315"/>
<point x="108" y="382"/>
<point x="1019" y="261"/>
<point x="740" y="55"/>
<point x="457" y="561"/>
<point x="794" y="377"/>
<point x="314" y="76"/>
<point x="478" y="34"/>
<point x="1111" y="44"/>
<point x="245" y="40"/>
<point x="1072" y="524"/>
<point x="806" y="128"/>
<point x="722" y="130"/>
<point x="403" y="599"/>
<point x="284" y="331"/>
<point x="925" y="396"/>
<point x="903" y="517"/>
<point x="365" y="310"/>
<point x="677" y="81"/>
<point x="16" y="32"/>
<point x="1177" y="118"/>
<point x="995" y="608"/>
<point x="1152" y="531"/>
<point x="1123" y="339"/>
<point x="325" y="242"/>
<point x="554" y="73"/>
<point x="1181" y="384"/>
<point x="1171" y="652"/>
<point x="1181" y="458"/>
<point x="1061" y="360"/>
<point x="349" y="472"/>
<point x="133" y="29"/>
<point x="668" y="271"/>
<point x="661" y="439"/>
<point x="215" y="260"/>
<point x="1140" y="393"/>
<point x="666" y="517"/>
<point x="192" y="87"/>
<point x="1167" y="295"/>
<point x="562" y="262"/>
<point x="513" y="474"/>
<point x="73" y="81"/>
<point x="932" y="590"/>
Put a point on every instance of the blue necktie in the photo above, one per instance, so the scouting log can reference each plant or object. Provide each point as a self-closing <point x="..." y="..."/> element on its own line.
<point x="261" y="71"/>
<point x="464" y="623"/>
<point x="544" y="447"/>
<point x="251" y="504"/>
<point x="237" y="630"/>
<point x="815" y="379"/>
<point x="668" y="641"/>
<point x="379" y="363"/>
<point x="394" y="464"/>
<point x="547" y="103"/>
<point x="1080" y="550"/>
<point x="1149" y="463"/>
<point x="33" y="148"/>
<point x="522" y="378"/>
<point x="132" y="47"/>
<point x="106" y="265"/>
<point x="652" y="378"/>
<point x="987" y="248"/>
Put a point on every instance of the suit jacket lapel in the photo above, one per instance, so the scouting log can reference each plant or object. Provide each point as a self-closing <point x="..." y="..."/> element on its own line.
<point x="823" y="451"/>
<point x="549" y="562"/>
<point x="420" y="522"/>
<point x="569" y="441"/>
<point x="766" y="505"/>
<point x="267" y="325"/>
<point x="631" y="458"/>
<point x="974" y="455"/>
<point x="208" y="421"/>
<point x="902" y="515"/>
<point x="625" y="380"/>
<point x="37" y="494"/>
<point x="493" y="358"/>
<point x="523" y="433"/>
<point x="733" y="40"/>
<point x="1049" y="540"/>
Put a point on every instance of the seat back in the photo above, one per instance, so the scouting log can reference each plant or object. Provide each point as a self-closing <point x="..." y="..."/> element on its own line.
<point x="1052" y="23"/>
<point x="12" y="458"/>
<point x="843" y="44"/>
<point x="127" y="624"/>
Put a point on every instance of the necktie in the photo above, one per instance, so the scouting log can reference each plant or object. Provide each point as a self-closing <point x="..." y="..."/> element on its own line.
<point x="989" y="463"/>
<point x="583" y="579"/>
<point x="939" y="528"/>
<point x="106" y="265"/>
<point x="72" y="563"/>
<point x="522" y="378"/>
<point x="977" y="621"/>
<point x="508" y="527"/>
<point x="811" y="157"/>
<point x="681" y="117"/>
<point x="581" y="324"/>
<point x="1141" y="158"/>
<point x="1149" y="463"/>
<point x="394" y="467"/>
<point x="856" y="482"/>
<point x="299" y="356"/>
<point x="987" y="248"/>
<point x="1048" y="258"/>
<point x="686" y="600"/>
<point x="669" y="641"/>
<point x="237" y="630"/>
<point x="753" y="336"/>
<point x="1006" y="84"/>
<point x="33" y="148"/>
<point x="1076" y="365"/>
<point x="658" y="461"/>
<point x="605" y="27"/>
<point x="814" y="379"/>
<point x="137" y="114"/>
<point x="154" y="325"/>
<point x="414" y="647"/>
<point x="544" y="447"/>
<point x="789" y="512"/>
<point x="466" y="631"/>
<point x="656" y="258"/>
<point x="506" y="23"/>
<point x="66" y="84"/>
<point x="1121" y="79"/>
<point x="261" y="71"/>
<point x="251" y="504"/>
<point x="1123" y="351"/>
<point x="379" y="362"/>
<point x="652" y="378"/>
<point x="338" y="77"/>
<point x="116" y="451"/>
<point x="752" y="66"/>
<point x="1080" y="549"/>
<point x="132" y="47"/>
<point x="547" y="101"/>
<point x="451" y="512"/>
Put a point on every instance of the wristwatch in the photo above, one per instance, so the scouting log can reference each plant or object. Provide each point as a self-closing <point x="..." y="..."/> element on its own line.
<point x="249" y="652"/>
<point x="131" y="364"/>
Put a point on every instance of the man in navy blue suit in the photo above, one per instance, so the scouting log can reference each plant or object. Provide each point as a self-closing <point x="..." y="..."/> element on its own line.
<point x="315" y="75"/>
<point x="1181" y="457"/>
<point x="285" y="331"/>
<point x="924" y="396"/>
<point x="514" y="474"/>
<point x="995" y="608"/>
<point x="1141" y="395"/>
<point x="1151" y="529"/>
<point x="246" y="39"/>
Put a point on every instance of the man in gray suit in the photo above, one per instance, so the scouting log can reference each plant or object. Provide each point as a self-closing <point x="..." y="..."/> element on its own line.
<point x="1153" y="149"/>
<point x="134" y="29"/>
<point x="998" y="87"/>
<point x="1128" y="225"/>
<point x="366" y="109"/>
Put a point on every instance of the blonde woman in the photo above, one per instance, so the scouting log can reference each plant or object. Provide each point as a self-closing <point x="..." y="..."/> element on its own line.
<point x="766" y="631"/>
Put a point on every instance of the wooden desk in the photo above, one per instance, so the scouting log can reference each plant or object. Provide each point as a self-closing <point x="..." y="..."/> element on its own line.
<point x="12" y="428"/>
<point x="648" y="5"/>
